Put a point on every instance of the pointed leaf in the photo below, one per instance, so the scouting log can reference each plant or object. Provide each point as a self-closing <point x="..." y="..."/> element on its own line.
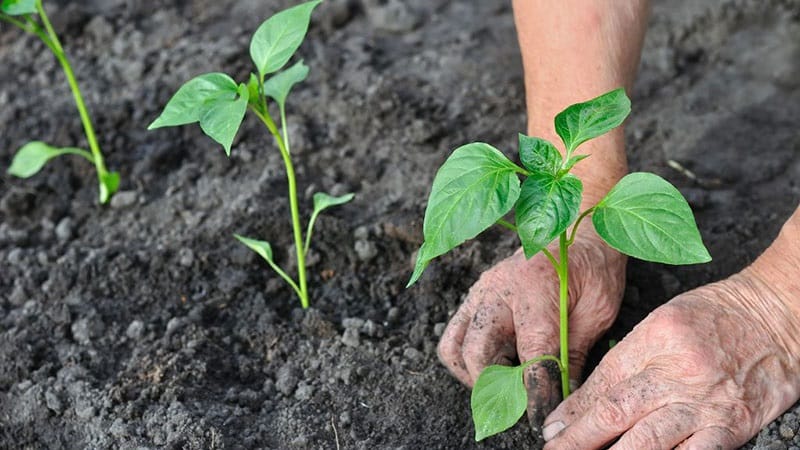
<point x="498" y="400"/>
<point x="222" y="121"/>
<point x="539" y="155"/>
<point x="18" y="7"/>
<point x="323" y="201"/>
<point x="647" y="217"/>
<point x="574" y="160"/>
<point x="276" y="40"/>
<point x="423" y="259"/>
<point x="32" y="156"/>
<point x="546" y="207"/>
<point x="109" y="183"/>
<point x="472" y="190"/>
<point x="195" y="98"/>
<point x="279" y="85"/>
<point x="261" y="247"/>
<point x="583" y="121"/>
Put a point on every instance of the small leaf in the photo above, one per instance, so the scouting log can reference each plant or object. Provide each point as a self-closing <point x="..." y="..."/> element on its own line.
<point x="583" y="121"/>
<point x="276" y="40"/>
<point x="195" y="98"/>
<point x="475" y="187"/>
<point x="261" y="247"/>
<point x="646" y="217"/>
<point x="18" y="7"/>
<point x="32" y="156"/>
<point x="323" y="201"/>
<point x="539" y="155"/>
<point x="254" y="91"/>
<point x="279" y="85"/>
<point x="498" y="400"/>
<point x="223" y="120"/>
<point x="109" y="183"/>
<point x="546" y="207"/>
<point x="574" y="160"/>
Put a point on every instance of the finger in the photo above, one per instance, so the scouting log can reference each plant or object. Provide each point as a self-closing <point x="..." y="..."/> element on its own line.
<point x="609" y="372"/>
<point x="664" y="428"/>
<point x="712" y="438"/>
<point x="489" y="338"/>
<point x="537" y="335"/>
<point x="611" y="415"/>
<point x="452" y="341"/>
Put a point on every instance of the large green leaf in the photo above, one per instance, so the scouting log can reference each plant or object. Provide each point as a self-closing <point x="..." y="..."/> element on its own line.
<point x="472" y="190"/>
<point x="280" y="84"/>
<point x="646" y="217"/>
<point x="18" y="7"/>
<point x="223" y="120"/>
<point x="583" y="121"/>
<point x="539" y="155"/>
<point x="498" y="400"/>
<point x="195" y="98"/>
<point x="276" y="40"/>
<point x="546" y="207"/>
<point x="32" y="156"/>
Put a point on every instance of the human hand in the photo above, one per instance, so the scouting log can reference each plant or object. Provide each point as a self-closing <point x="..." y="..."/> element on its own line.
<point x="512" y="310"/>
<point x="707" y="370"/>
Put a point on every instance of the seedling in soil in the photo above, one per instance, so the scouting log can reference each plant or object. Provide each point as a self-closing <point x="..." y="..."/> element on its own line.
<point x="31" y="17"/>
<point x="219" y="104"/>
<point x="642" y="216"/>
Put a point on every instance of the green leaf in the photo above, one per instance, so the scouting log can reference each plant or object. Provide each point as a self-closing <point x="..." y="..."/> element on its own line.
<point x="261" y="247"/>
<point x="109" y="183"/>
<point x="539" y="155"/>
<point x="276" y="40"/>
<point x="323" y="201"/>
<point x="472" y="190"/>
<point x="583" y="121"/>
<point x="572" y="161"/>
<point x="195" y="98"/>
<point x="498" y="400"/>
<point x="546" y="207"/>
<point x="18" y="7"/>
<point x="32" y="156"/>
<point x="223" y="119"/>
<point x="279" y="85"/>
<point x="646" y="217"/>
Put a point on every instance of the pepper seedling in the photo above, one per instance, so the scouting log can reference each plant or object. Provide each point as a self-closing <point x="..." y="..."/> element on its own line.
<point x="643" y="216"/>
<point x="29" y="15"/>
<point x="219" y="104"/>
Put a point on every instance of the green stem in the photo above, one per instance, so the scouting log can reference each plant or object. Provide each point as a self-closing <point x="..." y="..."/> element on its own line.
<point x="506" y="224"/>
<point x="293" y="206"/>
<point x="91" y="138"/>
<point x="563" y="306"/>
<point x="571" y="239"/>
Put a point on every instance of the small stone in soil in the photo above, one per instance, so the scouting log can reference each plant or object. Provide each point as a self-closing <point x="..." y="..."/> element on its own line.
<point x="304" y="391"/>
<point x="365" y="250"/>
<point x="287" y="380"/>
<point x="135" y="330"/>
<point x="350" y="337"/>
<point x="64" y="229"/>
<point x="123" y="199"/>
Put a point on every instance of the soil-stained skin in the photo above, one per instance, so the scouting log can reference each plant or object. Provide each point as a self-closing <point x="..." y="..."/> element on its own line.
<point x="146" y="324"/>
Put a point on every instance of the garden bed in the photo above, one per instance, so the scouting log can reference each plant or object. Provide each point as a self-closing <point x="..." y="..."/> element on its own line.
<point x="145" y="324"/>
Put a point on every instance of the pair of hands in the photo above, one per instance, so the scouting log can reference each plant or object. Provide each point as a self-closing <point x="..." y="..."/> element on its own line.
<point x="706" y="370"/>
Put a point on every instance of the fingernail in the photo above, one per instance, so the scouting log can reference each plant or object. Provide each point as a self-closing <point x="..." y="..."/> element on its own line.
<point x="551" y="430"/>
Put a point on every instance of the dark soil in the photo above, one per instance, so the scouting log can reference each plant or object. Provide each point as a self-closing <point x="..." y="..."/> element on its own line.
<point x="146" y="325"/>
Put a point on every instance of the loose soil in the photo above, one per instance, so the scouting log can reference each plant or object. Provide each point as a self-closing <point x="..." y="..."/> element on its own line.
<point x="146" y="325"/>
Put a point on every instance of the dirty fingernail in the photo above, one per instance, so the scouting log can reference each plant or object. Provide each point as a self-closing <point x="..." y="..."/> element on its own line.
<point x="551" y="430"/>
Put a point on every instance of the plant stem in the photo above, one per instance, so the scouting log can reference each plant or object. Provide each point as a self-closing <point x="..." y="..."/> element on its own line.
<point x="91" y="138"/>
<point x="571" y="239"/>
<point x="293" y="206"/>
<point x="507" y="224"/>
<point x="563" y="308"/>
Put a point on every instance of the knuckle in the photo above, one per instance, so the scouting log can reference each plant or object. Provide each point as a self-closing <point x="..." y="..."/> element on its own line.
<point x="610" y="413"/>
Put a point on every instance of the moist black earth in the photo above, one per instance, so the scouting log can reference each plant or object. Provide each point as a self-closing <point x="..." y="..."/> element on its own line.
<point x="144" y="324"/>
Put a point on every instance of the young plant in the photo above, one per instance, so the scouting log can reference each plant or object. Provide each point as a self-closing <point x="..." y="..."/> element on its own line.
<point x="31" y="17"/>
<point x="642" y="216"/>
<point x="219" y="104"/>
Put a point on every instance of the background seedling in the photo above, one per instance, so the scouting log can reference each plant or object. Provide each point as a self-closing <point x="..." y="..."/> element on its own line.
<point x="643" y="216"/>
<point x="31" y="17"/>
<point x="219" y="104"/>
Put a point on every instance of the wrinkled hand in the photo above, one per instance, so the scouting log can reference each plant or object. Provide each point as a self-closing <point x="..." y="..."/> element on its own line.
<point x="707" y="370"/>
<point x="512" y="310"/>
